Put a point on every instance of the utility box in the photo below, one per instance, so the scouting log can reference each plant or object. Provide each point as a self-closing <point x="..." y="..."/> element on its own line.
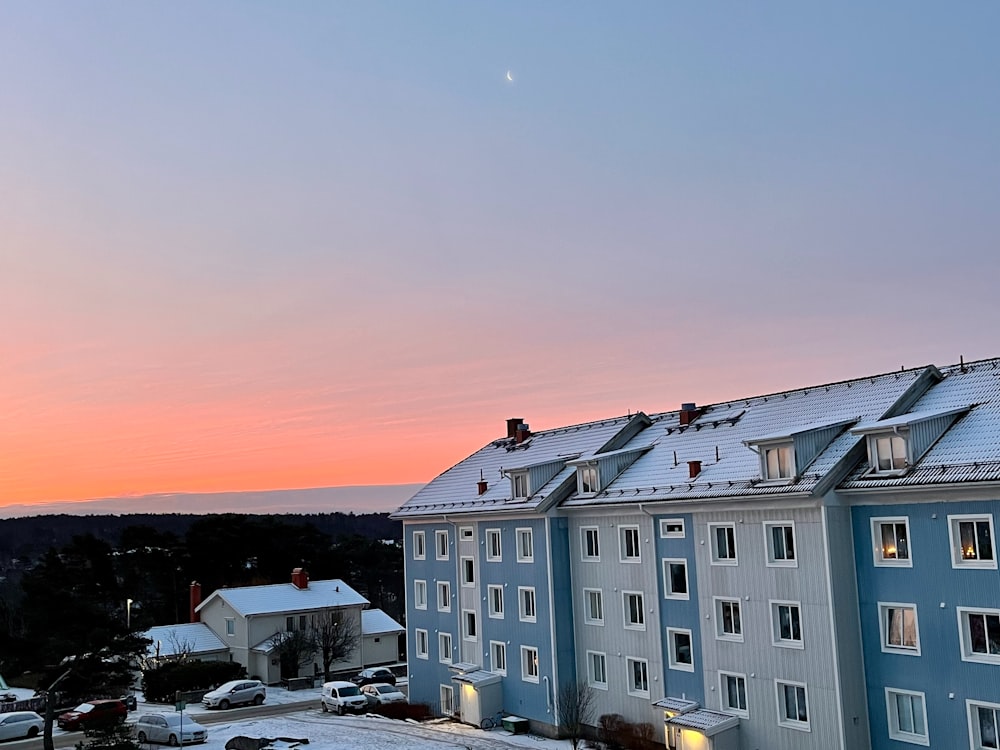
<point x="515" y="724"/>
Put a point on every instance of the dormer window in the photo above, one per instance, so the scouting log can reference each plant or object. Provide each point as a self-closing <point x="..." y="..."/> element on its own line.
<point x="520" y="482"/>
<point x="898" y="443"/>
<point x="778" y="462"/>
<point x="888" y="453"/>
<point x="586" y="478"/>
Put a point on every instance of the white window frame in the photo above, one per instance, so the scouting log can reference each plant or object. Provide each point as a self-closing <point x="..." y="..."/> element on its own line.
<point x="527" y="610"/>
<point x="972" y="707"/>
<point x="469" y="615"/>
<point x="778" y="476"/>
<point x="954" y="537"/>
<point x="873" y="468"/>
<point x="498" y="647"/>
<point x="776" y="638"/>
<point x="883" y="628"/>
<point x="231" y="626"/>
<point x="466" y="533"/>
<point x="732" y="555"/>
<point x="627" y="597"/>
<point x="421" y="645"/>
<point x="467" y="565"/>
<point x="495" y="613"/>
<point x="585" y="535"/>
<point x="773" y="561"/>
<point x="892" y="717"/>
<point x="419" y="593"/>
<point x="724" y="694"/>
<point x="588" y="479"/>
<point x="719" y="605"/>
<point x="630" y="685"/>
<point x="494" y="552"/>
<point x="527" y="663"/>
<point x="624" y="532"/>
<point x="588" y="612"/>
<point x="444" y="595"/>
<point x="442" y="553"/>
<point x="783" y="719"/>
<point x="668" y="592"/>
<point x="444" y="650"/>
<point x="419" y="545"/>
<point x="525" y="552"/>
<point x="667" y="533"/>
<point x="965" y="635"/>
<point x="447" y="697"/>
<point x="878" y="550"/>
<point x="593" y="657"/>
<point x="672" y="662"/>
<point x="520" y="488"/>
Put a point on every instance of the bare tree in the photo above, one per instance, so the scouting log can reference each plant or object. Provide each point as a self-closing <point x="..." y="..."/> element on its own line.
<point x="296" y="649"/>
<point x="576" y="709"/>
<point x="336" y="638"/>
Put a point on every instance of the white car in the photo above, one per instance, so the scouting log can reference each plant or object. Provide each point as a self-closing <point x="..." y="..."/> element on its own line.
<point x="341" y="696"/>
<point x="17" y="724"/>
<point x="168" y="729"/>
<point x="234" y="693"/>
<point x="382" y="693"/>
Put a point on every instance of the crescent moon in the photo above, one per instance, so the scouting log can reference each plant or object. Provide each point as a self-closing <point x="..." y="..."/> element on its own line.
<point x="509" y="76"/>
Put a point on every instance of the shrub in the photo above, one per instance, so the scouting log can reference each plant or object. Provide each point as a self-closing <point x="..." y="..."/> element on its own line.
<point x="161" y="684"/>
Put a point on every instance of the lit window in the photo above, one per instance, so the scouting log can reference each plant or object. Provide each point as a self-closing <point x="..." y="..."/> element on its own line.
<point x="907" y="711"/>
<point x="419" y="550"/>
<point x="587" y="480"/>
<point x="520" y="482"/>
<point x="628" y="544"/>
<point x="441" y="540"/>
<point x="638" y="677"/>
<point x="733" y="689"/>
<point x="793" y="711"/>
<point x="420" y="594"/>
<point x="498" y="657"/>
<point x="728" y="622"/>
<point x="675" y="579"/>
<point x="778" y="463"/>
<point x="494" y="551"/>
<point x="444" y="596"/>
<point x="898" y="628"/>
<point x="672" y="528"/>
<point x="780" y="540"/>
<point x="597" y="670"/>
<point x="469" y="629"/>
<point x="447" y="700"/>
<point x="526" y="600"/>
<point x="972" y="541"/>
<point x="468" y="571"/>
<point x="723" y="536"/>
<point x="891" y="540"/>
<point x="635" y="617"/>
<point x="980" y="634"/>
<point x="444" y="648"/>
<point x="590" y="544"/>
<point x="421" y="643"/>
<point x="786" y="624"/>
<point x="525" y="546"/>
<point x="984" y="725"/>
<point x="681" y="655"/>
<point x="494" y="596"/>
<point x="888" y="453"/>
<point x="594" y="603"/>
<point x="529" y="664"/>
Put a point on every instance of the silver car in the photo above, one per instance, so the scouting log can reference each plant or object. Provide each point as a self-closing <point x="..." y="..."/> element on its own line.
<point x="18" y="724"/>
<point x="235" y="692"/>
<point x="168" y="729"/>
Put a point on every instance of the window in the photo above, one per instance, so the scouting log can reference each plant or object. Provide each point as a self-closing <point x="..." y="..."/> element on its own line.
<point x="447" y="700"/>
<point x="419" y="550"/>
<point x="672" y="528"/>
<point x="635" y="616"/>
<point x="444" y="596"/>
<point x="468" y="571"/>
<point x="887" y="454"/>
<point x="525" y="546"/>
<point x="628" y="544"/>
<point x="733" y="694"/>
<point x="230" y="626"/>
<point x="972" y="541"/>
<point x="597" y="670"/>
<point x="728" y="623"/>
<point x="586" y="480"/>
<point x="444" y="648"/>
<point x="465" y="532"/>
<point x="984" y="725"/>
<point x="594" y="603"/>
<point x="441" y="544"/>
<point x="289" y="624"/>
<point x="723" y="543"/>
<point x="891" y="538"/>
<point x="494" y="596"/>
<point x="420" y="594"/>
<point x="907" y="713"/>
<point x="520" y="482"/>
<point x="421" y="638"/>
<point x="780" y="540"/>
<point x="980" y="633"/>
<point x="898" y="628"/>
<point x="469" y="629"/>
<point x="638" y="677"/>
<point x="681" y="655"/>
<point x="778" y="463"/>
<point x="793" y="711"/>
<point x="494" y="552"/>
<point x="675" y="579"/>
<point x="590" y="544"/>
<point x="302" y="622"/>
<point x="526" y="603"/>
<point x="498" y="657"/>
<point x="529" y="664"/>
<point x="786" y="624"/>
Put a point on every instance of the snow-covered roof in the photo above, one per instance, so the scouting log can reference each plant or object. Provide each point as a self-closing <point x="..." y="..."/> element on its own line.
<point x="375" y="622"/>
<point x="479" y="678"/>
<point x="287" y="597"/>
<point x="705" y="721"/>
<point x="905" y="419"/>
<point x="190" y="637"/>
<point x="676" y="705"/>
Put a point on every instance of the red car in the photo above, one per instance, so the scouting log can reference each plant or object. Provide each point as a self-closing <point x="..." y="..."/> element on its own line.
<point x="92" y="714"/>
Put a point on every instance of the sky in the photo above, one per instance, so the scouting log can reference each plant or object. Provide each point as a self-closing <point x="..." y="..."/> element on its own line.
<point x="258" y="246"/>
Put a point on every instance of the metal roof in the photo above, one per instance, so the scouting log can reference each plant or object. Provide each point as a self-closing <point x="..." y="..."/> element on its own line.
<point x="375" y="622"/>
<point x="185" y="638"/>
<point x="677" y="705"/>
<point x="287" y="597"/>
<point x="705" y="721"/>
<point x="479" y="678"/>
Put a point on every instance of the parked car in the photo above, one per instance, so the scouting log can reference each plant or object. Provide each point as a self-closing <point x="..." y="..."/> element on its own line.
<point x="374" y="674"/>
<point x="93" y="714"/>
<point x="17" y="724"/>
<point x="168" y="728"/>
<point x="235" y="693"/>
<point x="342" y="696"/>
<point x="380" y="693"/>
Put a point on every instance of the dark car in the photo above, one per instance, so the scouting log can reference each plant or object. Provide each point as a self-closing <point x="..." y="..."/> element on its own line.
<point x="374" y="674"/>
<point x="93" y="714"/>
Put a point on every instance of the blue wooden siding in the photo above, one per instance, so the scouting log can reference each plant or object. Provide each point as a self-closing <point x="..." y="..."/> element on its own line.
<point x="562" y="602"/>
<point x="937" y="589"/>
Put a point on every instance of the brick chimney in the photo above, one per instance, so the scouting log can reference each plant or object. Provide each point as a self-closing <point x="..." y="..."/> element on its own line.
<point x="522" y="433"/>
<point x="300" y="579"/>
<point x="195" y="601"/>
<point x="482" y="486"/>
<point x="512" y="425"/>
<point x="694" y="469"/>
<point x="689" y="413"/>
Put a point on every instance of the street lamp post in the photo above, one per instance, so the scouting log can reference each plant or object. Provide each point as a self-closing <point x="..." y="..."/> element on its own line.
<point x="128" y="614"/>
